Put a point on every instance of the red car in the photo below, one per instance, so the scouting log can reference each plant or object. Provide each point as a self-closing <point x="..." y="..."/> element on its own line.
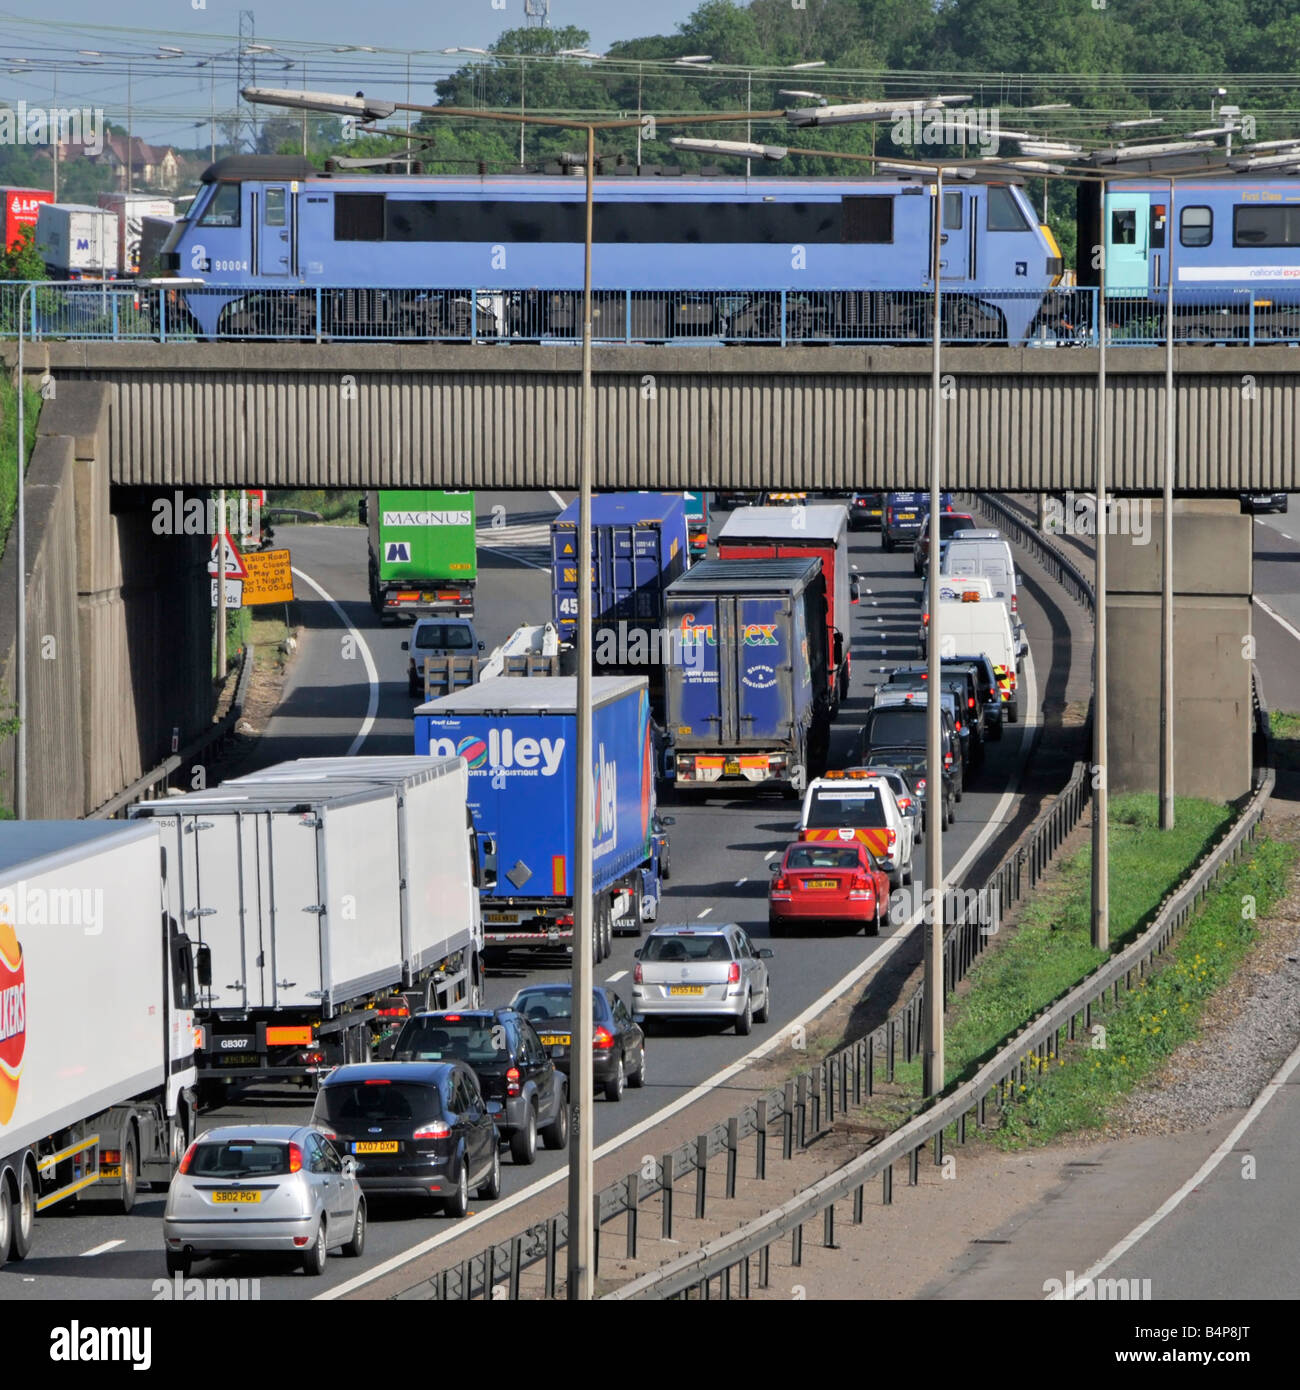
<point x="821" y="881"/>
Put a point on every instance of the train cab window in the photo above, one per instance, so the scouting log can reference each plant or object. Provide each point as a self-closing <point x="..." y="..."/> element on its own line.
<point x="1004" y="213"/>
<point x="952" y="205"/>
<point x="1256" y="226"/>
<point x="223" y="210"/>
<point x="1196" y="226"/>
<point x="1123" y="227"/>
<point x="275" y="207"/>
<point x="358" y="217"/>
<point x="868" y="219"/>
<point x="1156" y="228"/>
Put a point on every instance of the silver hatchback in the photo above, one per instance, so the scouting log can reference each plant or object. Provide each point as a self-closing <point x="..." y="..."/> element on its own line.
<point x="702" y="972"/>
<point x="263" y="1189"/>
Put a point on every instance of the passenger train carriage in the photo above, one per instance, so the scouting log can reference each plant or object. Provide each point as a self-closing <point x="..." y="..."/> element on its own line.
<point x="700" y="257"/>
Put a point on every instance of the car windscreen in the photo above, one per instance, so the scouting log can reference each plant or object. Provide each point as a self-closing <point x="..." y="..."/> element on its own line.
<point x="667" y="949"/>
<point x="954" y="521"/>
<point x="352" y="1103"/>
<point x="240" y="1158"/>
<point x="908" y="760"/>
<point x="897" y="726"/>
<point x="539" y="1005"/>
<point x="822" y="857"/>
<point x="863" y="806"/>
<point x="443" y="637"/>
<point x="443" y="1040"/>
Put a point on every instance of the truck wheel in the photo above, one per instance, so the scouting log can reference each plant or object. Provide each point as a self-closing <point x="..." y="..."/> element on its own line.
<point x="129" y="1169"/>
<point x="8" y="1220"/>
<point x="607" y="929"/>
<point x="23" y="1222"/>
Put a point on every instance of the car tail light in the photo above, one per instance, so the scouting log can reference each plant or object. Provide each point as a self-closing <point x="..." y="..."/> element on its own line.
<point x="295" y="1159"/>
<point x="920" y="784"/>
<point x="394" y="1011"/>
<point x="947" y="760"/>
<point x="733" y="973"/>
<point x="637" y="977"/>
<point x="188" y="1158"/>
<point x="782" y="884"/>
<point x="604" y="1039"/>
<point x="861" y="883"/>
<point x="452" y="1018"/>
<point x="512" y="1081"/>
<point x="379" y="1082"/>
<point x="433" y="1129"/>
<point x="892" y="837"/>
<point x="313" y="1058"/>
<point x="565" y="921"/>
<point x="329" y="1134"/>
<point x="970" y="703"/>
<point x="905" y="802"/>
<point x="110" y="1156"/>
<point x="1013" y="600"/>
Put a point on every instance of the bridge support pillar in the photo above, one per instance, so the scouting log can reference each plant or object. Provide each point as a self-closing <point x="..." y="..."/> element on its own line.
<point x="1213" y="646"/>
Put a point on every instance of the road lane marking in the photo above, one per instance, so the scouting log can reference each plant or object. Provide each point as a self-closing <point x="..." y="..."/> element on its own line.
<point x="739" y="881"/>
<point x="1192" y="1183"/>
<point x="519" y="559"/>
<point x="617" y="975"/>
<point x="100" y="1249"/>
<point x="778" y="1037"/>
<point x="706" y="912"/>
<point x="1278" y="618"/>
<point x="559" y="501"/>
<point x="771" y="854"/>
<point x="372" y="675"/>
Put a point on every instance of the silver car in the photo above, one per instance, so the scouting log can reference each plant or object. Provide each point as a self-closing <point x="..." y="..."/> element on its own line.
<point x="709" y="971"/>
<point x="263" y="1188"/>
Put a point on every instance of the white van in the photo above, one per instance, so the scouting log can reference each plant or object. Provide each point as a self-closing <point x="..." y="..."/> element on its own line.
<point x="987" y="553"/>
<point x="977" y="624"/>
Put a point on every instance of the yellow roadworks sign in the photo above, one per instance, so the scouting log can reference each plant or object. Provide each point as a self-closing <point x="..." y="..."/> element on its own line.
<point x="270" y="577"/>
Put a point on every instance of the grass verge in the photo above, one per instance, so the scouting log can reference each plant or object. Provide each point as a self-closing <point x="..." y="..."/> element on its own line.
<point x="337" y="508"/>
<point x="1285" y="728"/>
<point x="1131" y="1040"/>
<point x="1051" y="950"/>
<point x="9" y="446"/>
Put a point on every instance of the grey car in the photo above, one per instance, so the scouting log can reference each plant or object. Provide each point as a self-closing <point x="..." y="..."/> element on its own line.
<point x="251" y="1189"/>
<point x="697" y="971"/>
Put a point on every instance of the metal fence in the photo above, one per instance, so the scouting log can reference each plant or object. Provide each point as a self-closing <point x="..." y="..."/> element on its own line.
<point x="1014" y="525"/>
<point x="724" y="1267"/>
<point x="121" y="311"/>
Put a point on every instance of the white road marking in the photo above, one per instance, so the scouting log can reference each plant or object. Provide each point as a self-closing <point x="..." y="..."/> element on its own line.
<point x="739" y="881"/>
<point x="559" y="501"/>
<point x="99" y="1249"/>
<point x="771" y="854"/>
<point x="518" y="559"/>
<point x="651" y="1122"/>
<point x="617" y="975"/>
<point x="1192" y="1183"/>
<point x="1287" y="537"/>
<point x="706" y="912"/>
<point x="372" y="675"/>
<point x="1278" y="618"/>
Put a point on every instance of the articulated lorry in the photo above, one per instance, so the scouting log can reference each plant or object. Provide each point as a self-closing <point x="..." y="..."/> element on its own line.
<point x="322" y="889"/>
<point x="423" y="553"/>
<point x="748" y="694"/>
<point x="638" y="547"/>
<point x="518" y="739"/>
<point x="97" y="986"/>
<point x="820" y="530"/>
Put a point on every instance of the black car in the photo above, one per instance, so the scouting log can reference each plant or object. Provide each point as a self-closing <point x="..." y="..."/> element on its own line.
<point x="988" y="692"/>
<point x="961" y="682"/>
<point x="1252" y="502"/>
<point x="731" y="497"/>
<point x="502" y="1050"/>
<point x="911" y="763"/>
<point x="416" y="1129"/>
<point x="866" y="511"/>
<point x="949" y="524"/>
<point x="904" y="726"/>
<point x="618" y="1049"/>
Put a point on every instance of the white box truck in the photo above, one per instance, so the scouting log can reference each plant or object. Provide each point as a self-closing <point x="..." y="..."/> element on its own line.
<point x="77" y="242"/>
<point x="97" y="987"/>
<point x="131" y="210"/>
<point x="319" y="895"/>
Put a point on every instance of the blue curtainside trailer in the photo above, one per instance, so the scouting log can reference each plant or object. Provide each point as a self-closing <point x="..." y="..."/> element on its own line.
<point x="518" y="738"/>
<point x="748" y="701"/>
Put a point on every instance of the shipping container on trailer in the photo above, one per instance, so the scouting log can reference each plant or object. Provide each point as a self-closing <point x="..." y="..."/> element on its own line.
<point x="748" y="702"/>
<point x="820" y="530"/>
<point x="518" y="738"/>
<point x="97" y="985"/>
<point x="22" y="207"/>
<point x="131" y="210"/>
<point x="77" y="242"/>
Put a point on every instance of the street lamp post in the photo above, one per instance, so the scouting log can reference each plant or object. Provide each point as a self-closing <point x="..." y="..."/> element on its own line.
<point x="1101" y="770"/>
<point x="1167" y="569"/>
<point x="20" y="624"/>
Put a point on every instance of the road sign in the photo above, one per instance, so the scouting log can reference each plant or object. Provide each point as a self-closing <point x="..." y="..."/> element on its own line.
<point x="234" y="565"/>
<point x="269" y="578"/>
<point x="234" y="592"/>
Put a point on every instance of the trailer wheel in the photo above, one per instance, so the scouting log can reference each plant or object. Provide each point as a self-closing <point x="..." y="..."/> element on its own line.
<point x="8" y="1219"/>
<point x="129" y="1169"/>
<point x="23" y="1223"/>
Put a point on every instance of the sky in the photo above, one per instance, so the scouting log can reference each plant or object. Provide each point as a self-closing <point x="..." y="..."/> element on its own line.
<point x="168" y="97"/>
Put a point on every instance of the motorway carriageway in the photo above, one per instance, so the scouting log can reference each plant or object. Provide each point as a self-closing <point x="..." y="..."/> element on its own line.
<point x="719" y="862"/>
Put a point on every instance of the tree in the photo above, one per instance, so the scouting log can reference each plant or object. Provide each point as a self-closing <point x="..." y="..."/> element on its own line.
<point x="22" y="261"/>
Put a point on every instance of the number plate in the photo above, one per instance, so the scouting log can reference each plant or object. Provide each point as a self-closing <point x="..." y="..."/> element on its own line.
<point x="114" y="1172"/>
<point x="511" y="917"/>
<point x="685" y="989"/>
<point x="235" y="1198"/>
<point x="385" y="1146"/>
<point x="556" y="1039"/>
<point x="821" y="883"/>
<point x="907" y="516"/>
<point x="237" y="1059"/>
<point x="732" y="768"/>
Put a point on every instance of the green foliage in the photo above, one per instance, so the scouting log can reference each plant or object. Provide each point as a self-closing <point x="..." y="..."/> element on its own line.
<point x="9" y="446"/>
<point x="338" y="507"/>
<point x="23" y="262"/>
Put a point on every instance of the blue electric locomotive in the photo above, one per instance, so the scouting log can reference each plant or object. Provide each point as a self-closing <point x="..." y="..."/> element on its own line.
<point x="1235" y="253"/>
<point x="502" y="256"/>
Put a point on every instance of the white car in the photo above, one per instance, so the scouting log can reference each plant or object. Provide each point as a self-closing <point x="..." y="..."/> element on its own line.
<point x="437" y="637"/>
<point x="861" y="806"/>
<point x="702" y="971"/>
